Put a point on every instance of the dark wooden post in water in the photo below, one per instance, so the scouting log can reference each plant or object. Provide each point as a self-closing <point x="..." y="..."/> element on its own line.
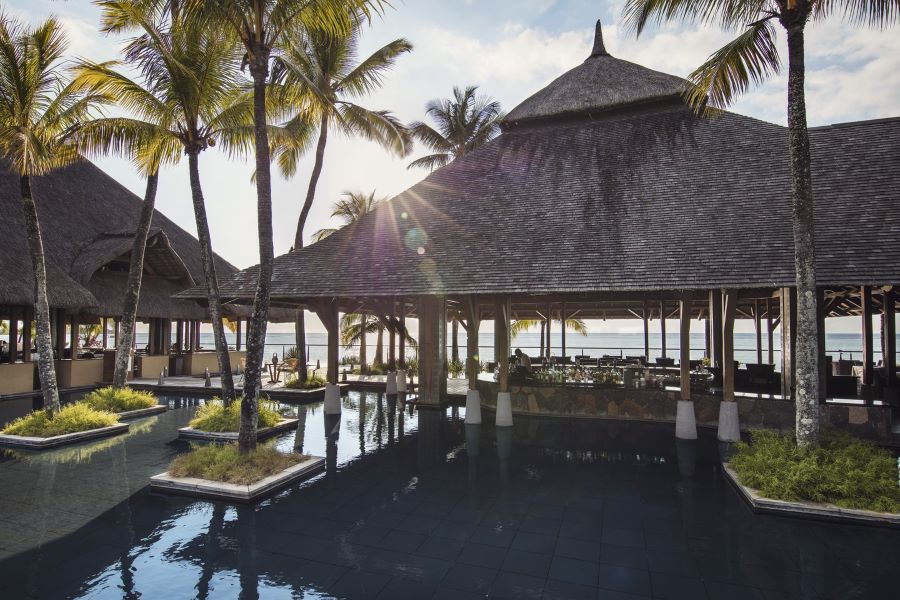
<point x="543" y="326"/>
<point x="662" y="328"/>
<point x="501" y="342"/>
<point x="715" y="317"/>
<point x="685" y="347"/>
<point x="432" y="348"/>
<point x="729" y="301"/>
<point x="327" y="311"/>
<point x="890" y="341"/>
<point x="757" y="321"/>
<point x="562" y="328"/>
<point x="646" y="317"/>
<point x="788" y="338"/>
<point x="868" y="350"/>
<point x="473" y="324"/>
<point x="401" y="332"/>
<point x="549" y="321"/>
<point x="392" y="336"/>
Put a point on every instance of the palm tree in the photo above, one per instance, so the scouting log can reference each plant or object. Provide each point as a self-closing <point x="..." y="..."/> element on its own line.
<point x="463" y="123"/>
<point x="193" y="100"/>
<point x="523" y="325"/>
<point x="751" y="58"/>
<point x="264" y="28"/>
<point x="350" y="209"/>
<point x="39" y="116"/>
<point x="352" y="333"/>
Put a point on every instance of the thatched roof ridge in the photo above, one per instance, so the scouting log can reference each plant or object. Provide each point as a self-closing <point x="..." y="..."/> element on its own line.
<point x="601" y="83"/>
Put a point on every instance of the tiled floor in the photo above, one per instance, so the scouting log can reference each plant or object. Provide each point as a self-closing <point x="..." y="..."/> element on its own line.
<point x="421" y="506"/>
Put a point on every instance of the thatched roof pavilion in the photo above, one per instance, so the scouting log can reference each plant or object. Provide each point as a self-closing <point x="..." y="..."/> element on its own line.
<point x="606" y="196"/>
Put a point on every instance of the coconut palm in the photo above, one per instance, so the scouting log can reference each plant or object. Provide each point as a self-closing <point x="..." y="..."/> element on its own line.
<point x="522" y="325"/>
<point x="350" y="208"/>
<point x="191" y="95"/>
<point x="40" y="113"/>
<point x="265" y="28"/>
<point x="749" y="59"/>
<point x="352" y="333"/>
<point x="462" y="124"/>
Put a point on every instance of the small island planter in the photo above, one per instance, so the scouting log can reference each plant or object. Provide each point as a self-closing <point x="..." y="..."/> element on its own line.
<point x="189" y="433"/>
<point x="142" y="412"/>
<point x="809" y="510"/>
<point x="41" y="443"/>
<point x="218" y="490"/>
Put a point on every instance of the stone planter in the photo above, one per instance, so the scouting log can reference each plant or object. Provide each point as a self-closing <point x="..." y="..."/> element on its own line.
<point x="39" y="443"/>
<point x="809" y="510"/>
<point x="142" y="412"/>
<point x="189" y="433"/>
<point x="205" y="488"/>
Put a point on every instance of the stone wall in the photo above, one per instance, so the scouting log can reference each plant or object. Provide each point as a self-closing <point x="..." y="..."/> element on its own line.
<point x="660" y="406"/>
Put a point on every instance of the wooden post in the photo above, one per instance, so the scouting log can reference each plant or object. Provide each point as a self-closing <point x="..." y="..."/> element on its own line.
<point x="770" y="328"/>
<point x="501" y="341"/>
<point x="13" y="338"/>
<point x="473" y="318"/>
<point x="708" y="352"/>
<point x="117" y="330"/>
<point x="26" y="335"/>
<point x="685" y="347"/>
<point x="662" y="326"/>
<point x="562" y="327"/>
<point x="401" y="339"/>
<point x="543" y="325"/>
<point x="105" y="324"/>
<point x="729" y="300"/>
<point x="788" y="337"/>
<point x="715" y="315"/>
<point x="60" y="333"/>
<point x="392" y="336"/>
<point x="327" y="311"/>
<point x="646" y="315"/>
<point x="237" y="335"/>
<point x="820" y="351"/>
<point x="868" y="349"/>
<point x="549" y="321"/>
<point x="890" y="338"/>
<point x="432" y="312"/>
<point x="73" y="336"/>
<point x="757" y="321"/>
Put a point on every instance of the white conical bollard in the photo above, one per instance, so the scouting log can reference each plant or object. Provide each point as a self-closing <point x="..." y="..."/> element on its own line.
<point x="332" y="399"/>
<point x="473" y="407"/>
<point x="401" y="380"/>
<point x="504" y="410"/>
<point x="685" y="422"/>
<point x="391" y="388"/>
<point x="208" y="381"/>
<point x="729" y="426"/>
<point x="165" y="371"/>
<point x="162" y="378"/>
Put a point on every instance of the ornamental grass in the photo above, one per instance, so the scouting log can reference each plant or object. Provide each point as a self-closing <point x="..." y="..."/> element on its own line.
<point x="72" y="418"/>
<point x="224" y="463"/>
<point x="117" y="400"/>
<point x="215" y="417"/>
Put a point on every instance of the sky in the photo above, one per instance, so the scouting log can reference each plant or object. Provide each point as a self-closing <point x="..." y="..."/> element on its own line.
<point x="510" y="49"/>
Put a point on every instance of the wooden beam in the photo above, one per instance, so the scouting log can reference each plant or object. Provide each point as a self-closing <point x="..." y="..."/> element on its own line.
<point x="868" y="349"/>
<point x="685" y="347"/>
<point x="729" y="299"/>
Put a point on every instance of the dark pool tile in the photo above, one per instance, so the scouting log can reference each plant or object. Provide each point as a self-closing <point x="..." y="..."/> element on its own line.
<point x="665" y="540"/>
<point x="624" y="579"/>
<point x="623" y="556"/>
<point x="438" y="547"/>
<point x="405" y="589"/>
<point x="415" y="524"/>
<point x="611" y="595"/>
<point x="673" y="587"/>
<point x="359" y="585"/>
<point x="482" y="555"/>
<point x="564" y="590"/>
<point x="449" y="593"/>
<point x="434" y="510"/>
<point x="673" y="563"/>
<point x="581" y="530"/>
<point x="527" y="563"/>
<point x="401" y="541"/>
<point x="368" y="535"/>
<point x="469" y="578"/>
<point x="493" y="537"/>
<point x="545" y="525"/>
<point x="544" y="509"/>
<point x="633" y="538"/>
<point x="580" y="549"/>
<point x="455" y="531"/>
<point x="534" y="542"/>
<point x="728" y="591"/>
<point x="317" y="574"/>
<point x="573" y="570"/>
<point x="516" y="586"/>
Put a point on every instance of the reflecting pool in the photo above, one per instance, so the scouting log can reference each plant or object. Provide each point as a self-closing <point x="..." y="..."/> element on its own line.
<point x="416" y="504"/>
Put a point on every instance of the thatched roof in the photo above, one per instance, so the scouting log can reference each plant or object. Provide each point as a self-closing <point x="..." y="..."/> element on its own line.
<point x="645" y="199"/>
<point x="600" y="84"/>
<point x="88" y="222"/>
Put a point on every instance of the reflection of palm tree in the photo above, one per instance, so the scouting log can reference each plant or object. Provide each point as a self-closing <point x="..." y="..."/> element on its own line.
<point x="462" y="124"/>
<point x="349" y="208"/>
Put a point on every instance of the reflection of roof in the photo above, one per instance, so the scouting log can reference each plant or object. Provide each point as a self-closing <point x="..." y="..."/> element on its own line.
<point x="642" y="198"/>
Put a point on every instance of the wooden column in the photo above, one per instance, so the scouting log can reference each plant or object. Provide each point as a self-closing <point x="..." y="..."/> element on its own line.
<point x="868" y="347"/>
<point x="392" y="336"/>
<point x="543" y="326"/>
<point x="788" y="337"/>
<point x="152" y="337"/>
<point x="197" y="335"/>
<point x="237" y="335"/>
<point x="327" y="311"/>
<point x="646" y="316"/>
<point x="770" y="329"/>
<point x="73" y="336"/>
<point x="757" y="321"/>
<point x="662" y="327"/>
<point x="473" y="324"/>
<point x="117" y="330"/>
<point x="401" y="333"/>
<point x="13" y="338"/>
<point x="501" y="341"/>
<point x="562" y="327"/>
<point x="549" y="321"/>
<point x="708" y="352"/>
<point x="685" y="347"/>
<point x="26" y="335"/>
<point x="715" y="316"/>
<point x="363" y="349"/>
<point x="890" y="338"/>
<point x="729" y="300"/>
<point x="104" y="322"/>
<point x="432" y="312"/>
<point x="820" y="351"/>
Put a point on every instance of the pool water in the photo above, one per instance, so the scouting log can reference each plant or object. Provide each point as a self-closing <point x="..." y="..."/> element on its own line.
<point x="420" y="505"/>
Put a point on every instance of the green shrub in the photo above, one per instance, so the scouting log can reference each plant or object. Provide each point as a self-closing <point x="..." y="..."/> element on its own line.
<point x="412" y="364"/>
<point x="455" y="367"/>
<point x="842" y="470"/>
<point x="311" y="383"/>
<point x="376" y="369"/>
<point x="214" y="416"/>
<point x="224" y="463"/>
<point x="71" y="418"/>
<point x="117" y="400"/>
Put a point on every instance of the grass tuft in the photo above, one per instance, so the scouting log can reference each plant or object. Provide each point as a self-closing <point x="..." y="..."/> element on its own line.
<point x="117" y="400"/>
<point x="842" y="470"/>
<point x="311" y="383"/>
<point x="72" y="418"/>
<point x="224" y="463"/>
<point x="215" y="417"/>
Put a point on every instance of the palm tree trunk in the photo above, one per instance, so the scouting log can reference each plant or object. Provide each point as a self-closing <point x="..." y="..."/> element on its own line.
<point x="363" y="359"/>
<point x="256" y="339"/>
<point x="379" y="347"/>
<point x="212" y="281"/>
<point x="313" y="181"/>
<point x="133" y="287"/>
<point x="807" y="395"/>
<point x="46" y="369"/>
